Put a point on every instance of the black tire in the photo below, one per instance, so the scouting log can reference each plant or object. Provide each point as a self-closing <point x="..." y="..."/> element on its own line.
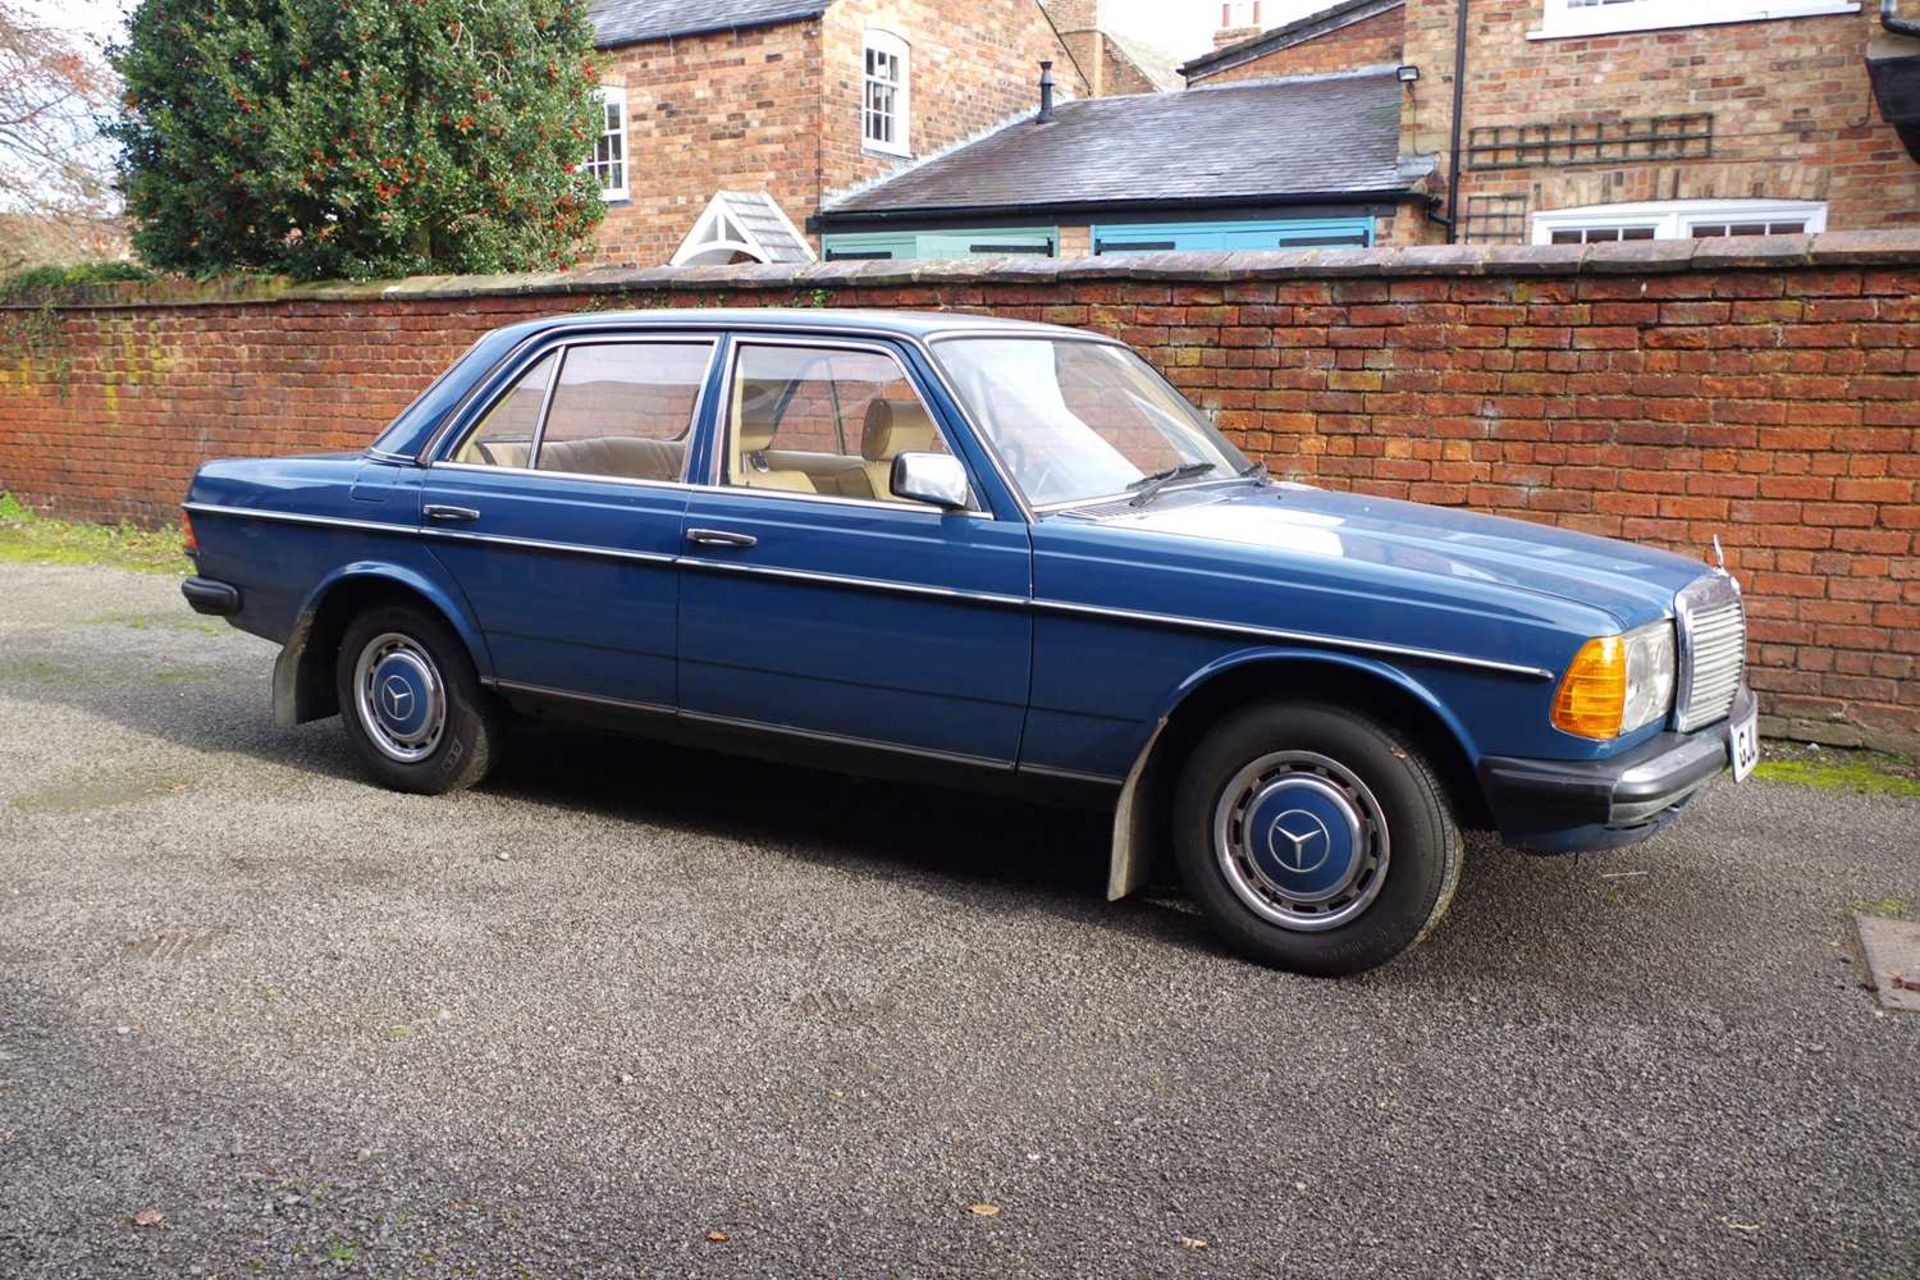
<point x="1378" y="806"/>
<point x="471" y="730"/>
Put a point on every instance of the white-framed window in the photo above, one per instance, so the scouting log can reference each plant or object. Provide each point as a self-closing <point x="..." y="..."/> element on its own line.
<point x="1678" y="220"/>
<point x="885" y="95"/>
<point x="1561" y="18"/>
<point x="609" y="161"/>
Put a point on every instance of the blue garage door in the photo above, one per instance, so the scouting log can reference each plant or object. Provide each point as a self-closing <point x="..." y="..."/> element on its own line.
<point x="1297" y="233"/>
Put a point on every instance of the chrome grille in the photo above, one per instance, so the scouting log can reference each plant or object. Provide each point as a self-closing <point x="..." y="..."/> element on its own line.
<point x="1713" y="650"/>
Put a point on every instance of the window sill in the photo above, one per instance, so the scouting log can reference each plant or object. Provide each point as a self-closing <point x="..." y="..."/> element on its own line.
<point x="888" y="153"/>
<point x="1621" y="23"/>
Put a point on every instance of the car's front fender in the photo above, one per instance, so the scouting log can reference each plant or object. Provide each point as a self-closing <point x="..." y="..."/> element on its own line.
<point x="1132" y="852"/>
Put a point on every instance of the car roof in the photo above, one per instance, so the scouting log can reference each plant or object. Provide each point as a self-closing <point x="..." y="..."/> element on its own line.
<point x="916" y="324"/>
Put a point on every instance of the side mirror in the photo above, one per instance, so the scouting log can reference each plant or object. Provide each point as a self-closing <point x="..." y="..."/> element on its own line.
<point x="936" y="478"/>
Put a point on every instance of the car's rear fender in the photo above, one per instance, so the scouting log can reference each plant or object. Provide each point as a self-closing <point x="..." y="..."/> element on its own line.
<point x="1363" y="684"/>
<point x="303" y="676"/>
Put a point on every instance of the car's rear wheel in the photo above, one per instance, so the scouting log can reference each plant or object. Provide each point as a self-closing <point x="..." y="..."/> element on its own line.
<point x="412" y="703"/>
<point x="1314" y="838"/>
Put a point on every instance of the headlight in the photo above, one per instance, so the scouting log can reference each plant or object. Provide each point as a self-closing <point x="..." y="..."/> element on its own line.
<point x="1616" y="684"/>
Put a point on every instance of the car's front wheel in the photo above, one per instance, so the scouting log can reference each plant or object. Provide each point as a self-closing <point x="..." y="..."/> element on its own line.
<point x="413" y="704"/>
<point x="1314" y="838"/>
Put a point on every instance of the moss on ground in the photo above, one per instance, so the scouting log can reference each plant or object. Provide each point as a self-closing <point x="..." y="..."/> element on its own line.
<point x="1863" y="772"/>
<point x="27" y="537"/>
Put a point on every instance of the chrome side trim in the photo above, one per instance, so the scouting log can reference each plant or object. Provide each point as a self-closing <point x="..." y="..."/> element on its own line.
<point x="546" y="691"/>
<point x="758" y="726"/>
<point x="919" y="509"/>
<point x="883" y="585"/>
<point x="290" y="517"/>
<point x="557" y="548"/>
<point x="1061" y="607"/>
<point x="1070" y="775"/>
<point x="532" y="474"/>
<point x="382" y="455"/>
<point x="846" y="740"/>
<point x="1291" y="637"/>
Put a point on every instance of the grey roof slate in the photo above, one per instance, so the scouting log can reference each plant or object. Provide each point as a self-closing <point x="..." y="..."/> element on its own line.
<point x="618" y="22"/>
<point x="1306" y="136"/>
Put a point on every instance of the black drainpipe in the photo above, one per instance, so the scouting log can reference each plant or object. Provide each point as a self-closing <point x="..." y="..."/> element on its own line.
<point x="1899" y="26"/>
<point x="1453" y="146"/>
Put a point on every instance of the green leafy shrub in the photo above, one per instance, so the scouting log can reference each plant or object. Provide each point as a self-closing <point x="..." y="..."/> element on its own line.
<point x="358" y="138"/>
<point x="79" y="273"/>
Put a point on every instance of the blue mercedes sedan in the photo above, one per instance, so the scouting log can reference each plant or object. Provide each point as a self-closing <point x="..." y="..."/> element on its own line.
<point x="989" y="553"/>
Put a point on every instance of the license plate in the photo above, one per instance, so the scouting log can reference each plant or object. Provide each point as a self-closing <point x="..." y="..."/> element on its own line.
<point x="1743" y="743"/>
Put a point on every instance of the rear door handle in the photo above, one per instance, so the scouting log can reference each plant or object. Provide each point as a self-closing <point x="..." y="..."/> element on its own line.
<point x="449" y="515"/>
<point x="720" y="538"/>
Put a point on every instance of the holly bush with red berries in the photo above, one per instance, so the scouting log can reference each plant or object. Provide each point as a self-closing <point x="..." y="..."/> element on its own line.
<point x="359" y="138"/>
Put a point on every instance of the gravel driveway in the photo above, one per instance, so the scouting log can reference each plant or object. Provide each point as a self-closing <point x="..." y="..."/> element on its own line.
<point x="632" y="1011"/>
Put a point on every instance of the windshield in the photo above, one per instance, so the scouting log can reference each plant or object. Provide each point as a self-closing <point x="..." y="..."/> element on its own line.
<point x="1077" y="420"/>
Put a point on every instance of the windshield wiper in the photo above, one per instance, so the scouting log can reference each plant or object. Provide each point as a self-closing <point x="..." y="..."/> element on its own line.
<point x="1257" y="472"/>
<point x="1153" y="482"/>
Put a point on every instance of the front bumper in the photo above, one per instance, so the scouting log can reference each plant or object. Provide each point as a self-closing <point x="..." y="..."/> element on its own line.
<point x="1565" y="806"/>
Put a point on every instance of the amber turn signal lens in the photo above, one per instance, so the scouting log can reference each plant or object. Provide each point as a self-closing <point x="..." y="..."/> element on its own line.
<point x="1593" y="696"/>
<point x="186" y="531"/>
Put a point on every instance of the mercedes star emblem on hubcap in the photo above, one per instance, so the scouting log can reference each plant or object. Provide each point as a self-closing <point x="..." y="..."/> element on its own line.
<point x="1300" y="842"/>
<point x="398" y="697"/>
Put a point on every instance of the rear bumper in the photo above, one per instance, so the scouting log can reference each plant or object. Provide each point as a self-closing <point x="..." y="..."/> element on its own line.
<point x="206" y="595"/>
<point x="1564" y="806"/>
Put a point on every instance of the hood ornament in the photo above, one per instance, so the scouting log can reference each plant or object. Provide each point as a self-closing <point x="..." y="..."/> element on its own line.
<point x="1719" y="556"/>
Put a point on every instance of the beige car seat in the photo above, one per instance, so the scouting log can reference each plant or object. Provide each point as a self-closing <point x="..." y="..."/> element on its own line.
<point x="754" y="427"/>
<point x="894" y="427"/>
<point x="625" y="456"/>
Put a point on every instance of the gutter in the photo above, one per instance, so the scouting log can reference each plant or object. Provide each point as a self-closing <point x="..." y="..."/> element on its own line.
<point x="1898" y="26"/>
<point x="1452" y="221"/>
<point x="827" y="220"/>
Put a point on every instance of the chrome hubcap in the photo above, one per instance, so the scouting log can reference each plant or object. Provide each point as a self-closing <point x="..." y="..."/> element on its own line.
<point x="399" y="697"/>
<point x="1301" y="840"/>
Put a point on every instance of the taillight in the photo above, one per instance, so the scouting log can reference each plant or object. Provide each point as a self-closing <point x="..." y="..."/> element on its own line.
<point x="186" y="532"/>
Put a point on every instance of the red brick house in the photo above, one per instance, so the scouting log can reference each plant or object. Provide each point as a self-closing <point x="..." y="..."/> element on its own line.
<point x="728" y="121"/>
<point x="1589" y="120"/>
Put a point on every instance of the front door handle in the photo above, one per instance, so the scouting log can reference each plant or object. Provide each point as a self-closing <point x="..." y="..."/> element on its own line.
<point x="720" y="538"/>
<point x="449" y="515"/>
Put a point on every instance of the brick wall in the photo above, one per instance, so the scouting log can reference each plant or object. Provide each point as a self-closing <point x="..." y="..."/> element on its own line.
<point x="777" y="109"/>
<point x="733" y="111"/>
<point x="1793" y="114"/>
<point x="1766" y="391"/>
<point x="972" y="67"/>
<point x="1359" y="44"/>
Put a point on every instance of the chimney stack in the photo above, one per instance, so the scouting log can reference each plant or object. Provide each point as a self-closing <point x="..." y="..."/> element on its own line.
<point x="1238" y="21"/>
<point x="1046" y="94"/>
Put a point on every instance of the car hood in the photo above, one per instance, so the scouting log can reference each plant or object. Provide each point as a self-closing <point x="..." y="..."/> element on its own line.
<point x="1634" y="584"/>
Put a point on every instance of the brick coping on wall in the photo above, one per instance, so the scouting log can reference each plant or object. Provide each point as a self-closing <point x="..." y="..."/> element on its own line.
<point x="1634" y="257"/>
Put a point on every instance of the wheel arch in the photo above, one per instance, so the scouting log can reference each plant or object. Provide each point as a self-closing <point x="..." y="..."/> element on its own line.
<point x="303" y="687"/>
<point x="1352" y="681"/>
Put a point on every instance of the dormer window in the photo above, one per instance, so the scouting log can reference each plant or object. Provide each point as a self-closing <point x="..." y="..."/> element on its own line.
<point x="884" y="103"/>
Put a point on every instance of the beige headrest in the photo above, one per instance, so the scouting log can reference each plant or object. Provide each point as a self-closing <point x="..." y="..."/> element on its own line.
<point x="758" y="402"/>
<point x="895" y="427"/>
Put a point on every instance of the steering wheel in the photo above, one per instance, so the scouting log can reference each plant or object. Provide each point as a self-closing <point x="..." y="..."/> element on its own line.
<point x="1019" y="457"/>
